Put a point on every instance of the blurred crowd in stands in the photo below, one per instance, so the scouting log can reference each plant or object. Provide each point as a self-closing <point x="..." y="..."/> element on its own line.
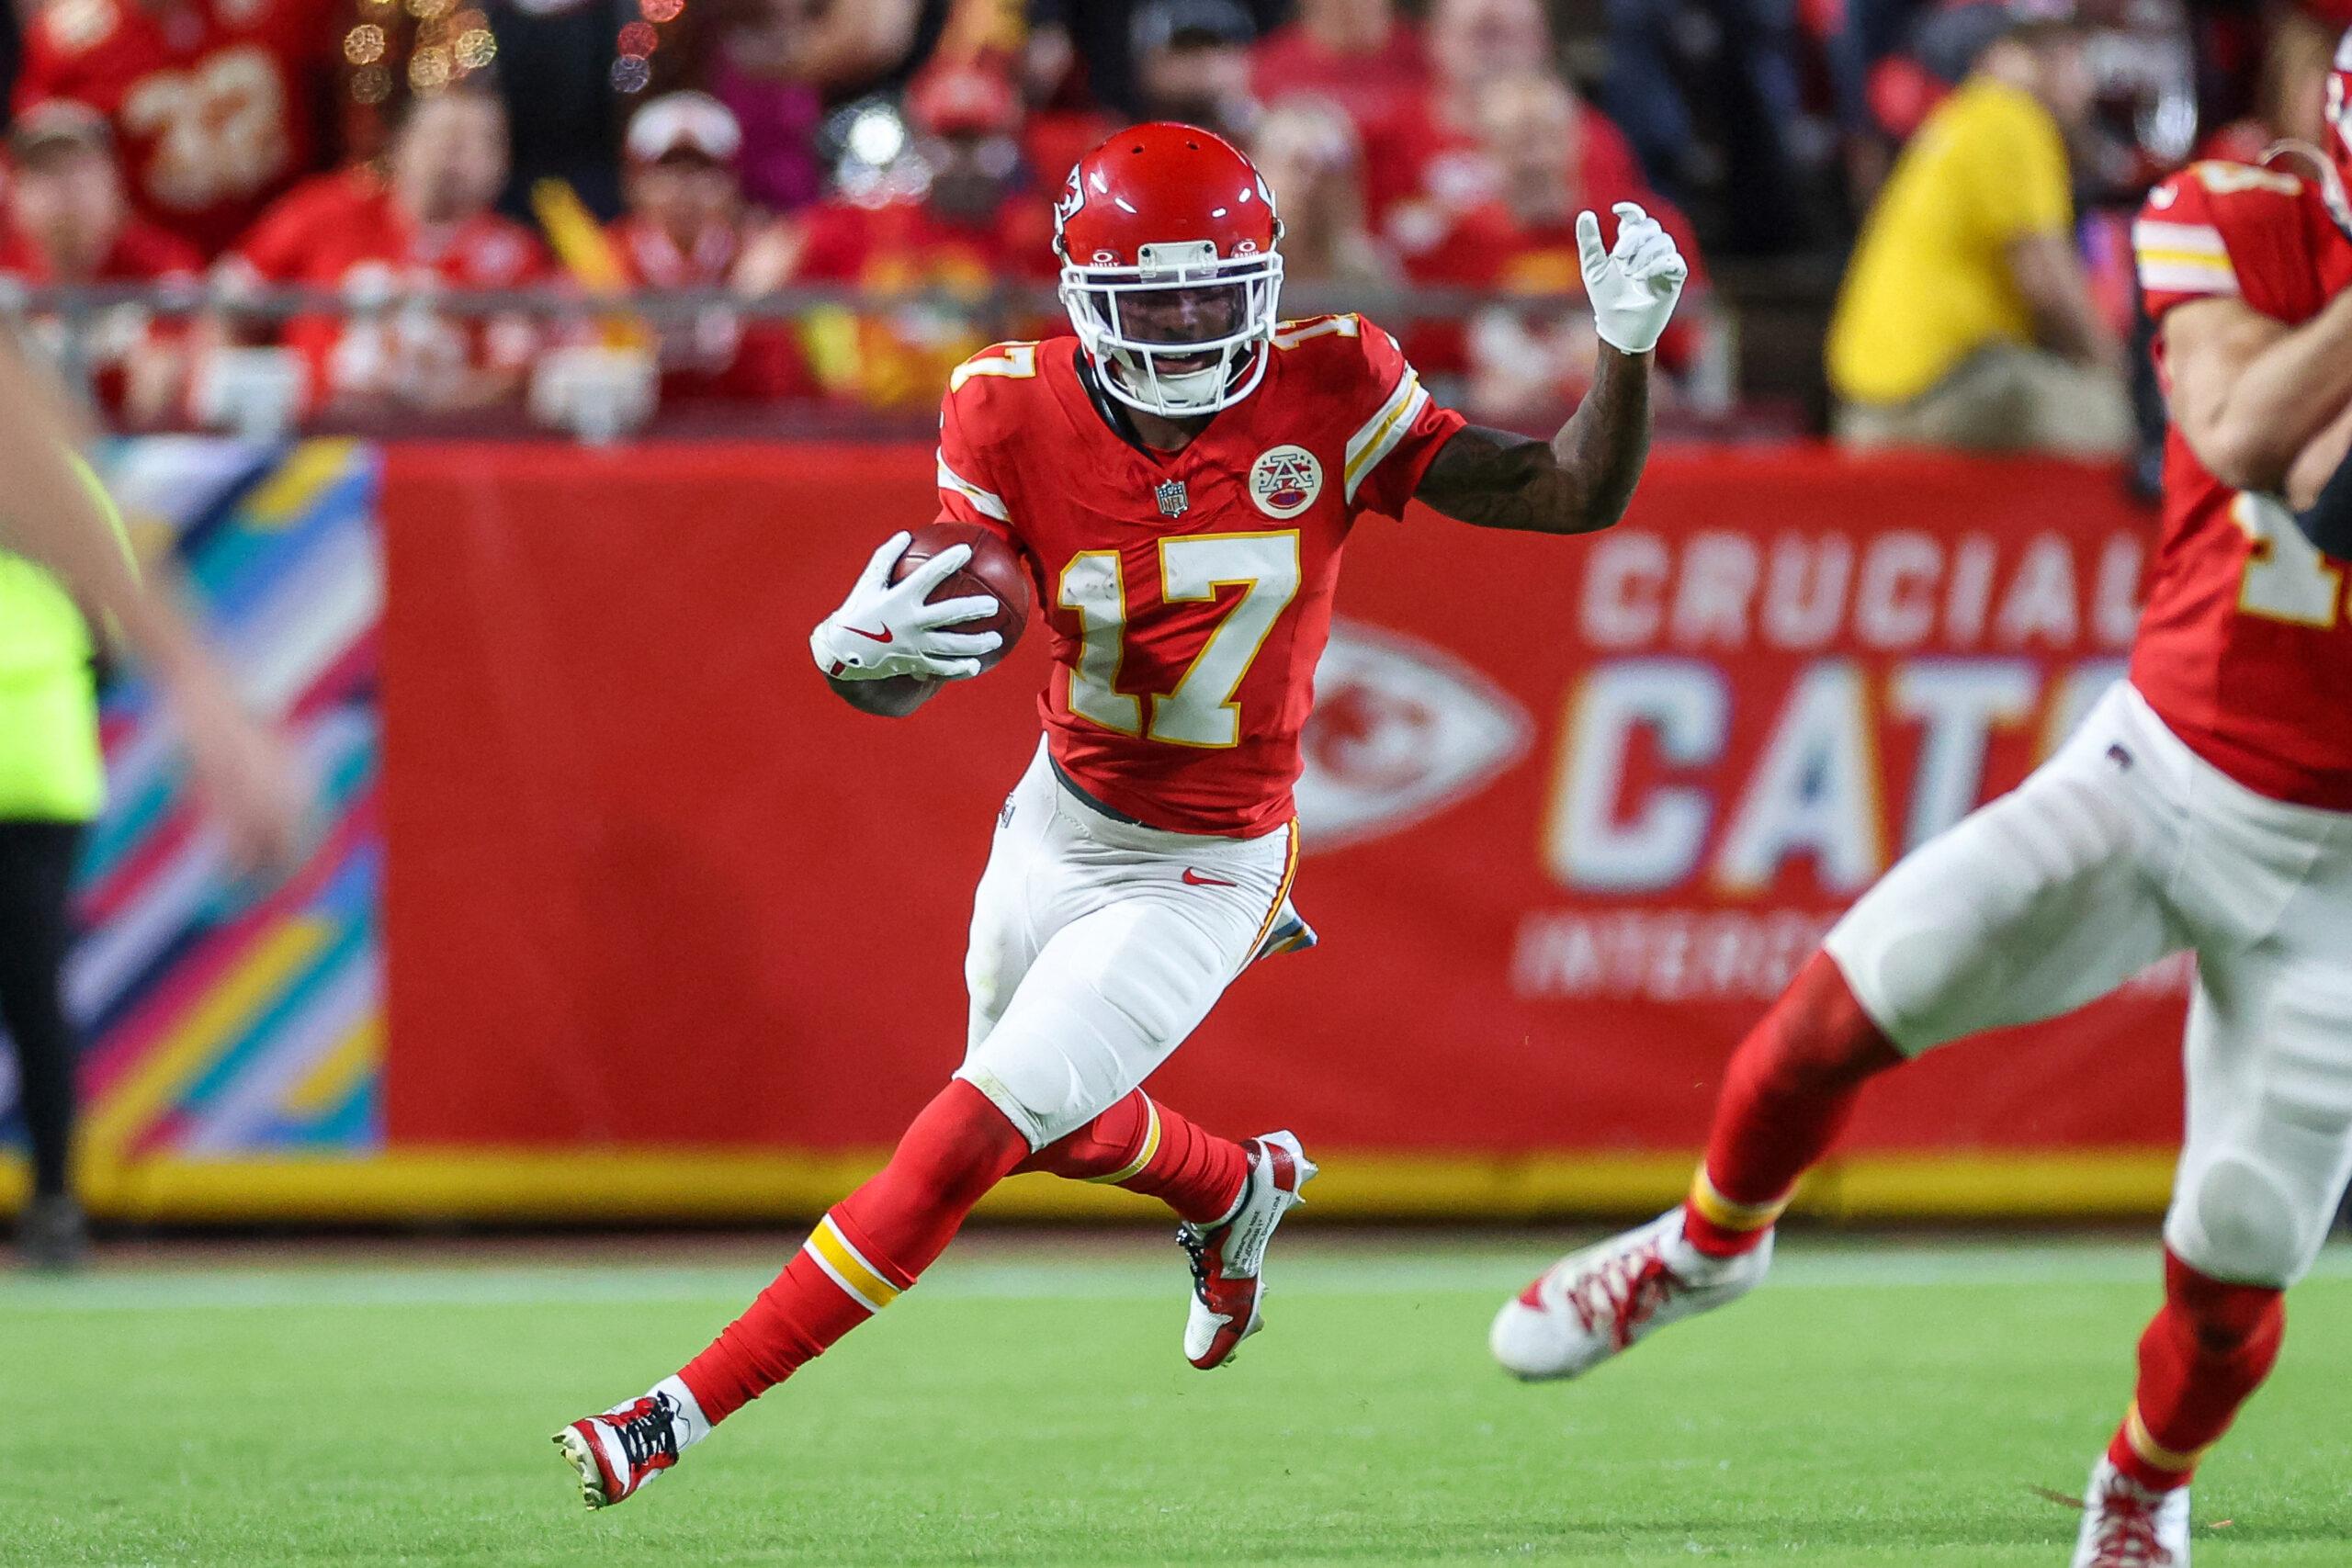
<point x="242" y="213"/>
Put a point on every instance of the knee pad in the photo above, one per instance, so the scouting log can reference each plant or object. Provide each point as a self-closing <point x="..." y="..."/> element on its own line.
<point x="2237" y="1221"/>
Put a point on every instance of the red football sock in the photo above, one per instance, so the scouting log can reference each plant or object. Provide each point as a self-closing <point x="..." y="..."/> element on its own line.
<point x="1786" y="1096"/>
<point x="1148" y="1149"/>
<point x="862" y="1254"/>
<point x="2208" y="1349"/>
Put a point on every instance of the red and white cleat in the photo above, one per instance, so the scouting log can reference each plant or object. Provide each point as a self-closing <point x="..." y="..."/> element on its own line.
<point x="2125" y="1525"/>
<point x="1594" y="1304"/>
<point x="617" y="1453"/>
<point x="1229" y="1259"/>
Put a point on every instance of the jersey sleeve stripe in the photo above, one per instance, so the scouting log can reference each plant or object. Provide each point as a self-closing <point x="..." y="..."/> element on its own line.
<point x="1380" y="436"/>
<point x="990" y="504"/>
<point x="2191" y="239"/>
<point x="2173" y="278"/>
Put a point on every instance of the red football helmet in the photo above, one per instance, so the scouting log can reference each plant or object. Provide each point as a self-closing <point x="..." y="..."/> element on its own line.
<point x="2339" y="127"/>
<point x="1166" y="235"/>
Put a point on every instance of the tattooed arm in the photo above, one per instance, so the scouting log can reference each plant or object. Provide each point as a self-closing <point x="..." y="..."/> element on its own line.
<point x="1578" y="482"/>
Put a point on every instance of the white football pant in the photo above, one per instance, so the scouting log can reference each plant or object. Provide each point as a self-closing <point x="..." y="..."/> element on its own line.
<point x="1098" y="946"/>
<point x="2123" y="848"/>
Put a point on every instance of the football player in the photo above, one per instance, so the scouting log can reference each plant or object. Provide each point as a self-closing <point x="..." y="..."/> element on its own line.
<point x="2205" y="803"/>
<point x="1179" y="480"/>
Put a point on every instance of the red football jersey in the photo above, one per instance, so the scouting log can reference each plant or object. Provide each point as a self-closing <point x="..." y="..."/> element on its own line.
<point x="1187" y="595"/>
<point x="216" y="105"/>
<point x="2245" y="647"/>
<point x="344" y="231"/>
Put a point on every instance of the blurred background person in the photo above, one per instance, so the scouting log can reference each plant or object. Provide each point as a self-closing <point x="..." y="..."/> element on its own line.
<point x="1966" y="318"/>
<point x="1308" y="151"/>
<point x="1191" y="63"/>
<point x="939" y="214"/>
<point x="756" y="63"/>
<point x="2290" y="93"/>
<point x="1432" y="164"/>
<point x="51" y="772"/>
<point x="1361" y="54"/>
<point x="69" y="222"/>
<point x="217" y="105"/>
<point x="1745" y="75"/>
<point x="389" y="243"/>
<point x="687" y="226"/>
<point x="1524" y="363"/>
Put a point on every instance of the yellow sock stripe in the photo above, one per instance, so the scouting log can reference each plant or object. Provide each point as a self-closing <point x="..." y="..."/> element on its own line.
<point x="1718" y="1209"/>
<point x="1150" y="1147"/>
<point x="851" y="1271"/>
<point x="1281" y="896"/>
<point x="2135" y="1432"/>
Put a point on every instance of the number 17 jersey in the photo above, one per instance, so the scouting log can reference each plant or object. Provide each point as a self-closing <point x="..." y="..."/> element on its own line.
<point x="2245" y="650"/>
<point x="1188" y="594"/>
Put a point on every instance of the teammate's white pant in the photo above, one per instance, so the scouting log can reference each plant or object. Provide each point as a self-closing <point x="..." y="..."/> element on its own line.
<point x="2123" y="847"/>
<point x="1098" y="946"/>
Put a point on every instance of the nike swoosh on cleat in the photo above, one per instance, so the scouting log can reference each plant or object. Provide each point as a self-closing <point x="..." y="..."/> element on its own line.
<point x="1194" y="879"/>
<point x="882" y="636"/>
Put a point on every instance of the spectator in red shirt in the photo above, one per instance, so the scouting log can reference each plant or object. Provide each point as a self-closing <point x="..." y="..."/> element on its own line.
<point x="389" y="244"/>
<point x="1313" y="161"/>
<point x="1432" y="166"/>
<point x="976" y="223"/>
<point x="687" y="227"/>
<point x="69" y="222"/>
<point x="1523" y="365"/>
<point x="217" y="105"/>
<point x="1358" y="53"/>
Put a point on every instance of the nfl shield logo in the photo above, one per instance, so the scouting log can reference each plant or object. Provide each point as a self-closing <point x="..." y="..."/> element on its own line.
<point x="1172" y="499"/>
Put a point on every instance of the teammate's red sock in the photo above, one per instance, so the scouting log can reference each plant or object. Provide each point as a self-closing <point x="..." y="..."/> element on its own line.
<point x="1148" y="1149"/>
<point x="1786" y="1096"/>
<point x="2207" y="1349"/>
<point x="863" y="1252"/>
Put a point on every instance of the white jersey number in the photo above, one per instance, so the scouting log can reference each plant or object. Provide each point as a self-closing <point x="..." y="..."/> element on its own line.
<point x="1201" y="710"/>
<point x="2287" y="579"/>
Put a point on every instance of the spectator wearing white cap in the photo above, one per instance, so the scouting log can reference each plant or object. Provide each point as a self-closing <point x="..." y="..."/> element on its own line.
<point x="686" y="226"/>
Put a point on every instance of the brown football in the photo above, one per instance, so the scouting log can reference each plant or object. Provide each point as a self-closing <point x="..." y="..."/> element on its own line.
<point x="994" y="570"/>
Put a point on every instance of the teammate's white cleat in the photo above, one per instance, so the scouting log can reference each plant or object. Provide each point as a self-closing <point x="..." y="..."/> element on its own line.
<point x="1228" y="1260"/>
<point x="2125" y="1525"/>
<point x="615" y="1454"/>
<point x="1592" y="1304"/>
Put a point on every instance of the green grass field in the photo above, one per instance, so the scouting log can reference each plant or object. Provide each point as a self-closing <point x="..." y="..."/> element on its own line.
<point x="1875" y="1404"/>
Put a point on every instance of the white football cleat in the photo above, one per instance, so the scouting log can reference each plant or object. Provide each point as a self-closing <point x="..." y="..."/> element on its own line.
<point x="1229" y="1259"/>
<point x="2126" y="1525"/>
<point x="617" y="1453"/>
<point x="1594" y="1304"/>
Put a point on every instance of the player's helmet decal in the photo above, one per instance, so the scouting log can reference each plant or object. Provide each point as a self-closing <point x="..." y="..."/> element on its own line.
<point x="1285" y="480"/>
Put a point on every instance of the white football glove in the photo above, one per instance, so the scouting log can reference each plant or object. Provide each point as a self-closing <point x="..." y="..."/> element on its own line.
<point x="886" y="628"/>
<point x="1632" y="288"/>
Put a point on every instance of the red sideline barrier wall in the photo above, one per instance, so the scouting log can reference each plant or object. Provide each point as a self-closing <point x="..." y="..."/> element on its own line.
<point x="1577" y="809"/>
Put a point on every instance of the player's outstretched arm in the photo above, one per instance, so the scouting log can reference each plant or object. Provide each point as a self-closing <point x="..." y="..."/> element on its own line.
<point x="885" y="630"/>
<point x="1581" y="480"/>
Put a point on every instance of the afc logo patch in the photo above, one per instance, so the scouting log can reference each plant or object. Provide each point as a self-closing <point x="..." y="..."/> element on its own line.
<point x="1285" y="480"/>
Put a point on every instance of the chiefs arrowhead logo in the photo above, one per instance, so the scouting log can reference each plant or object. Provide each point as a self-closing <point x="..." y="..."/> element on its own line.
<point x="1400" y="728"/>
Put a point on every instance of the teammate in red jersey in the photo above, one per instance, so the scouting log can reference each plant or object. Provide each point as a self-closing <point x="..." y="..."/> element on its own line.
<point x="1179" y="480"/>
<point x="2205" y="803"/>
<point x="217" y="104"/>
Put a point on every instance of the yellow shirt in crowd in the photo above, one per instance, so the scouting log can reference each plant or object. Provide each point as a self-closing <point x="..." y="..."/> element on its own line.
<point x="1930" y="283"/>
